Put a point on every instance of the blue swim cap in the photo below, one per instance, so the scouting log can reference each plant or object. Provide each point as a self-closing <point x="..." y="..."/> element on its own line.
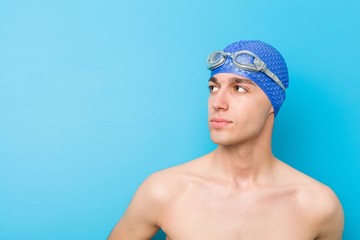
<point x="274" y="61"/>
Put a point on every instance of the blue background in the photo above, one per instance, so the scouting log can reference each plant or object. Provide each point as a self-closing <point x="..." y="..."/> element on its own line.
<point x="97" y="95"/>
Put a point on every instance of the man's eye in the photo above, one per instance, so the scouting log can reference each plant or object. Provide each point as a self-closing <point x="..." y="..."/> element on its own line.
<point x="240" y="89"/>
<point x="213" y="88"/>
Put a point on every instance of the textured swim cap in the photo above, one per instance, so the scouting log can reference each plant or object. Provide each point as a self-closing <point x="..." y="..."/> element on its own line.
<point x="274" y="61"/>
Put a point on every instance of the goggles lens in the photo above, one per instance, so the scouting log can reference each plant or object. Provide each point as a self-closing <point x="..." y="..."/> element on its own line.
<point x="216" y="59"/>
<point x="243" y="58"/>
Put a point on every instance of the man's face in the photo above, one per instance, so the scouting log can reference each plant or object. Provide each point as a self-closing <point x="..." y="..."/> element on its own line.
<point x="238" y="109"/>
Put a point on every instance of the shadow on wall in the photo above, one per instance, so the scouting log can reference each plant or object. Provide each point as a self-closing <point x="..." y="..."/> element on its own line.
<point x="159" y="236"/>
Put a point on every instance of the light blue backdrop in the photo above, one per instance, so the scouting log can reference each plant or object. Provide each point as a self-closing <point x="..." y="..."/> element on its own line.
<point x="97" y="95"/>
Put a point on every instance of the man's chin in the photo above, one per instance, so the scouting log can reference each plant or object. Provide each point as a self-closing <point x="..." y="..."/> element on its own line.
<point x="222" y="140"/>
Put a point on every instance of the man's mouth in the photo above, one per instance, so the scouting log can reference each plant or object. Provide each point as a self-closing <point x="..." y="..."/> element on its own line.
<point x="219" y="122"/>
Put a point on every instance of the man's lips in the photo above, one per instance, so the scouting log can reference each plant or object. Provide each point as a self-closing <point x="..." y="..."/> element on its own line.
<point x="219" y="122"/>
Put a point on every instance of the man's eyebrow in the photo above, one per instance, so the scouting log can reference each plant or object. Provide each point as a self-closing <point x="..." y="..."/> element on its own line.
<point x="241" y="80"/>
<point x="233" y="80"/>
<point x="214" y="80"/>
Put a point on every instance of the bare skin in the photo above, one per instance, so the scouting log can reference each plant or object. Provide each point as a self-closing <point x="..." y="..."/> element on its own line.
<point x="240" y="191"/>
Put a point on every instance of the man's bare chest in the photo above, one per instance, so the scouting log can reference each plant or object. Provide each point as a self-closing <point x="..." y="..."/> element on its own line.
<point x="257" y="216"/>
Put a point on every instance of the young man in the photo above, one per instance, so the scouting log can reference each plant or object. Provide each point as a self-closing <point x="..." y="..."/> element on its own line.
<point x="240" y="191"/>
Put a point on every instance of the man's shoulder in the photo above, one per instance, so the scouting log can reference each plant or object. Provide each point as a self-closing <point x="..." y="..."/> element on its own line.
<point x="322" y="208"/>
<point x="166" y="184"/>
<point x="317" y="201"/>
<point x="317" y="198"/>
<point x="320" y="200"/>
<point x="310" y="192"/>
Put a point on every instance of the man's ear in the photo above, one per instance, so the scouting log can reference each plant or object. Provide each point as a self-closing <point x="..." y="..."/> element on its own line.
<point x="271" y="110"/>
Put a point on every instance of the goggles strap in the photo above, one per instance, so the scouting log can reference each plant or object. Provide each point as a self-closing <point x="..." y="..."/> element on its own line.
<point x="274" y="77"/>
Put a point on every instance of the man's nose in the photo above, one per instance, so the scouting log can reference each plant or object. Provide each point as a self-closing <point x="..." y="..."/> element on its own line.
<point x="220" y="101"/>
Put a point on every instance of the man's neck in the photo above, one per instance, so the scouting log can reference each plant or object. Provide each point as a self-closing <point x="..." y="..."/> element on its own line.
<point x="244" y="165"/>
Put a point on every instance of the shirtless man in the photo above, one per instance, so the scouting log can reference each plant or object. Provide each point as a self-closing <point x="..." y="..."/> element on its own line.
<point x="240" y="191"/>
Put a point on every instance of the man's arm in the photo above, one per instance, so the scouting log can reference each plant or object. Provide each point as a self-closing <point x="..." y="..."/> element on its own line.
<point x="141" y="219"/>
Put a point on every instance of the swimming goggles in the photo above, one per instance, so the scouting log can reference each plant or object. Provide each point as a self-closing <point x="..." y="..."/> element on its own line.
<point x="242" y="59"/>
